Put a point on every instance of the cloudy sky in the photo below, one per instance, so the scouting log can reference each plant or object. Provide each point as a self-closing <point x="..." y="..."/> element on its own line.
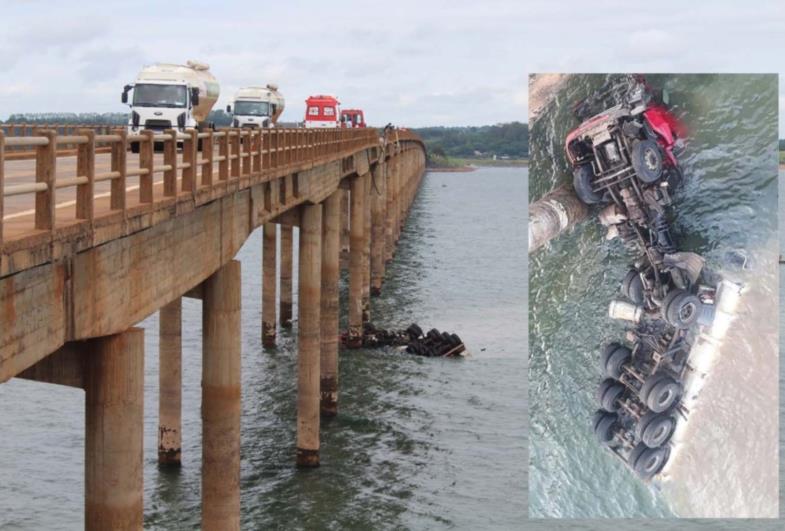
<point x="416" y="63"/>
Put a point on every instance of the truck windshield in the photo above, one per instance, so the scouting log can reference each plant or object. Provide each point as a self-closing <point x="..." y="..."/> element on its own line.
<point x="148" y="95"/>
<point x="252" y="108"/>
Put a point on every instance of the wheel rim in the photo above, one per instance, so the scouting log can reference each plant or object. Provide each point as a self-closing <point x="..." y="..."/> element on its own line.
<point x="651" y="463"/>
<point x="650" y="160"/>
<point x="687" y="311"/>
<point x="665" y="397"/>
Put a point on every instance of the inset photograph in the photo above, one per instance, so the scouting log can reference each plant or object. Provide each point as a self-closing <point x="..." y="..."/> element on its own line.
<point x="653" y="296"/>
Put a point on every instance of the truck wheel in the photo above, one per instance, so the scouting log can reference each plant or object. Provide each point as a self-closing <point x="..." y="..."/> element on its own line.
<point x="647" y="160"/>
<point x="648" y="462"/>
<point x="659" y="392"/>
<point x="608" y="394"/>
<point x="433" y="334"/>
<point x="134" y="147"/>
<point x="613" y="367"/>
<point x="655" y="429"/>
<point x="414" y="331"/>
<point x="632" y="287"/>
<point x="582" y="179"/>
<point x="681" y="308"/>
<point x="605" y="425"/>
<point x="455" y="340"/>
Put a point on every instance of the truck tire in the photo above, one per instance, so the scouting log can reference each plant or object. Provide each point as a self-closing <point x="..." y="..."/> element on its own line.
<point x="632" y="287"/>
<point x="648" y="462"/>
<point x="455" y="340"/>
<point x="655" y="429"/>
<point x="433" y="334"/>
<point x="681" y="309"/>
<point x="647" y="160"/>
<point x="659" y="392"/>
<point x="608" y="394"/>
<point x="414" y="331"/>
<point x="582" y="178"/>
<point x="613" y="367"/>
<point x="605" y="426"/>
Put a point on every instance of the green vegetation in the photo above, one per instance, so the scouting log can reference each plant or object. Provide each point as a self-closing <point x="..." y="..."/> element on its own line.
<point x="220" y="118"/>
<point x="782" y="156"/>
<point x="450" y="147"/>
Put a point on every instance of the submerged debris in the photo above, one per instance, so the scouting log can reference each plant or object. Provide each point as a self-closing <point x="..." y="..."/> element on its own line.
<point x="432" y="344"/>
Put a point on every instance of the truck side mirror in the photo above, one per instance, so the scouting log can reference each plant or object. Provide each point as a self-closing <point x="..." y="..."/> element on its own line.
<point x="194" y="96"/>
<point x="229" y="109"/>
<point x="124" y="96"/>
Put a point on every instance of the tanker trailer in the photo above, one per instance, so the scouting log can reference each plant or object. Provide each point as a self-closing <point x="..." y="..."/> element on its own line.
<point x="257" y="106"/>
<point x="171" y="96"/>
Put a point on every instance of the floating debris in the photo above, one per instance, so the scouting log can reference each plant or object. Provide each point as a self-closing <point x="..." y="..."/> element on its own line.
<point x="431" y="345"/>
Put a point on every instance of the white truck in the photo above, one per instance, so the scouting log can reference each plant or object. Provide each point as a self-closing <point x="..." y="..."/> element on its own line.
<point x="171" y="96"/>
<point x="255" y="107"/>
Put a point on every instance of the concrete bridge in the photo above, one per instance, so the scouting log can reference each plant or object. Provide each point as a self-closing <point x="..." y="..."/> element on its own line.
<point x="93" y="239"/>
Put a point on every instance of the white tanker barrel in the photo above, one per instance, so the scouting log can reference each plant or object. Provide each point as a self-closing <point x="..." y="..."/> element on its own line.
<point x="553" y="214"/>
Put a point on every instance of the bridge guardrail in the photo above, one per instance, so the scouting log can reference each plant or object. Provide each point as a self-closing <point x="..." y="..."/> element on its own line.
<point x="226" y="155"/>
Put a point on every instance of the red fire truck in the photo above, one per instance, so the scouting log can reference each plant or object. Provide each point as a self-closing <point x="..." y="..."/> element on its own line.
<point x="322" y="111"/>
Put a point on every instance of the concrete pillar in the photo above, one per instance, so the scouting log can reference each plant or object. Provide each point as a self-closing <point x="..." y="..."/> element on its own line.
<point x="268" y="286"/>
<point x="331" y="248"/>
<point x="366" y="304"/>
<point x="378" y="201"/>
<point x="309" y="309"/>
<point x="389" y="213"/>
<point x="114" y="421"/>
<point x="357" y="227"/>
<point x="553" y="214"/>
<point x="221" y="348"/>
<point x="170" y="383"/>
<point x="286" y="276"/>
<point x="345" y="200"/>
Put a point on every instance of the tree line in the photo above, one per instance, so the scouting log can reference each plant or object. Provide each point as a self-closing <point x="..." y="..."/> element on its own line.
<point x="503" y="140"/>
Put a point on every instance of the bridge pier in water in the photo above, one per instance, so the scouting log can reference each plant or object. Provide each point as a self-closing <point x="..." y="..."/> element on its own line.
<point x="331" y="250"/>
<point x="308" y="359"/>
<point x="356" y="261"/>
<point x="170" y="383"/>
<point x="268" y="285"/>
<point x="221" y="348"/>
<point x="285" y="310"/>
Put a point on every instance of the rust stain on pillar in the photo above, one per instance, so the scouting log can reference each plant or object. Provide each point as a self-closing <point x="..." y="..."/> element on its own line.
<point x="357" y="227"/>
<point x="170" y="383"/>
<point x="287" y="250"/>
<point x="331" y="243"/>
<point x="378" y="202"/>
<point x="114" y="421"/>
<point x="221" y="348"/>
<point x="268" y="286"/>
<point x="309" y="310"/>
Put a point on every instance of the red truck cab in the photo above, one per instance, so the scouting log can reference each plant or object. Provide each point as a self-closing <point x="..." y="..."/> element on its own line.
<point x="352" y="118"/>
<point x="322" y="111"/>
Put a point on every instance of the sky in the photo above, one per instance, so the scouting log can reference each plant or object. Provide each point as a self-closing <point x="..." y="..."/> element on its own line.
<point x="412" y="63"/>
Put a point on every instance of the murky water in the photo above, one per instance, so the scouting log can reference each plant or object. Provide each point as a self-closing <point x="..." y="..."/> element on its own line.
<point x="729" y="202"/>
<point x="418" y="443"/>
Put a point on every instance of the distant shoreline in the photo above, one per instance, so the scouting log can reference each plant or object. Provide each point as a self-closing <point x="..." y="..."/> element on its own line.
<point x="467" y="165"/>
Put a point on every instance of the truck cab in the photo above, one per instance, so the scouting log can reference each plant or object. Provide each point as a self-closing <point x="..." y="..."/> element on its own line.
<point x="256" y="107"/>
<point x="158" y="105"/>
<point x="352" y="118"/>
<point x="322" y="112"/>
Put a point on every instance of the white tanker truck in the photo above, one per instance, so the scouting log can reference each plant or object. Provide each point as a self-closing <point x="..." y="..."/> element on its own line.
<point x="171" y="96"/>
<point x="257" y="106"/>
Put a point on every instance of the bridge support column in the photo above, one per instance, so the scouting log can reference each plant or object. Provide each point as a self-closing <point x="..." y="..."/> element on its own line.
<point x="331" y="249"/>
<point x="378" y="200"/>
<point x="114" y="398"/>
<point x="345" y="201"/>
<point x="366" y="308"/>
<point x="357" y="228"/>
<point x="389" y="211"/>
<point x="170" y="383"/>
<point x="221" y="349"/>
<point x="310" y="288"/>
<point x="268" y="286"/>
<point x="286" y="276"/>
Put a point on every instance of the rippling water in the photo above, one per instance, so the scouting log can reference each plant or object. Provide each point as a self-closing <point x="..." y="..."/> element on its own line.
<point x="418" y="443"/>
<point x="729" y="202"/>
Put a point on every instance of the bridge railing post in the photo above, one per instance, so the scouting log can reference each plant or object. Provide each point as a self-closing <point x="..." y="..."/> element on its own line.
<point x="170" y="159"/>
<point x="119" y="158"/>
<point x="190" y="153"/>
<point x="235" y="143"/>
<point x="257" y="151"/>
<point x="223" y="154"/>
<point x="246" y="151"/>
<point x="85" y="167"/>
<point x="208" y="148"/>
<point x="146" y="161"/>
<point x="45" y="171"/>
